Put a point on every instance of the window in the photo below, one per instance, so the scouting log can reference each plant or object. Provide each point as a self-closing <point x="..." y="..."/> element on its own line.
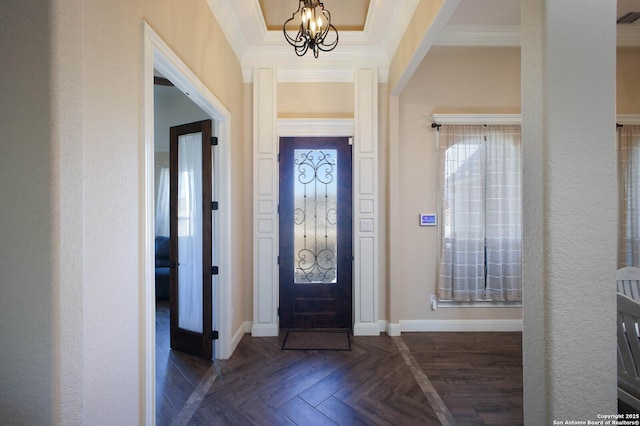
<point x="629" y="175"/>
<point x="481" y="218"/>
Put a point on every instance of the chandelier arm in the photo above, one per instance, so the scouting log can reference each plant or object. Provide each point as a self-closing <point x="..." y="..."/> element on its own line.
<point x="331" y="46"/>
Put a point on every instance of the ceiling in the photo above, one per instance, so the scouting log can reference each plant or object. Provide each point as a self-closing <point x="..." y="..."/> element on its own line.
<point x="370" y="32"/>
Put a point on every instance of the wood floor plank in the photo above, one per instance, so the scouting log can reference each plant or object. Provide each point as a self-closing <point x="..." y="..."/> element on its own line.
<point x="343" y="414"/>
<point x="304" y="414"/>
<point x="261" y="413"/>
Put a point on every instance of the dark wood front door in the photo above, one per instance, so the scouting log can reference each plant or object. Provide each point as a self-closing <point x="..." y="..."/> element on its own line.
<point x="191" y="243"/>
<point x="316" y="252"/>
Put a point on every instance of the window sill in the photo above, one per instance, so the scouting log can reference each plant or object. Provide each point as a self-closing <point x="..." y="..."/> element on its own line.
<point x="478" y="304"/>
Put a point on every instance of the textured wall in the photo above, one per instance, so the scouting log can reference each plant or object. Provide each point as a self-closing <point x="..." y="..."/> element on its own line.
<point x="26" y="261"/>
<point x="569" y="130"/>
<point x="71" y="320"/>
<point x="579" y="213"/>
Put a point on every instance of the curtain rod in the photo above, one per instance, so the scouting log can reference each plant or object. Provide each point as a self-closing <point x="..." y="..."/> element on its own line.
<point x="437" y="126"/>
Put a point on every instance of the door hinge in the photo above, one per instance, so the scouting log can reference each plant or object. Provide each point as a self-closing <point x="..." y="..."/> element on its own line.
<point x="214" y="205"/>
<point x="214" y="140"/>
<point x="214" y="335"/>
<point x="214" y="270"/>
<point x="278" y="260"/>
<point x="278" y="310"/>
<point x="278" y="157"/>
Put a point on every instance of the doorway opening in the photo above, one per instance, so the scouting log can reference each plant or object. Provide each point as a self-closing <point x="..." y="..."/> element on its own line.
<point x="160" y="61"/>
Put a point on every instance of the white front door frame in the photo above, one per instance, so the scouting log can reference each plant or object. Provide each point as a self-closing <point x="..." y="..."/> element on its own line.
<point x="267" y="130"/>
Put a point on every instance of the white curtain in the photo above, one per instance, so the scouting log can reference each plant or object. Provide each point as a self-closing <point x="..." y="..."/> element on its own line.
<point x="629" y="174"/>
<point x="190" y="262"/>
<point x="480" y="252"/>
<point x="162" y="203"/>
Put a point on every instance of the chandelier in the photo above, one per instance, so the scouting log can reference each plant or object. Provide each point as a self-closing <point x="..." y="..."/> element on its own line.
<point x="315" y="26"/>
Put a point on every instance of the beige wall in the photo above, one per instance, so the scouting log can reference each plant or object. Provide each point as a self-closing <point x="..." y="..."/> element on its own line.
<point x="315" y="100"/>
<point x="458" y="80"/>
<point x="628" y="80"/>
<point x="449" y="80"/>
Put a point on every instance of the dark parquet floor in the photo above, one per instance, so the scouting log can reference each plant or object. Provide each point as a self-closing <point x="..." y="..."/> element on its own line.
<point x="478" y="376"/>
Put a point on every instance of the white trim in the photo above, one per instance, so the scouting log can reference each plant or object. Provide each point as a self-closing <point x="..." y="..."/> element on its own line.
<point x="157" y="54"/>
<point x="628" y="119"/>
<point x="264" y="330"/>
<point x="437" y="25"/>
<point x="366" y="329"/>
<point x="247" y="326"/>
<point x="446" y="304"/>
<point x="148" y="245"/>
<point x="244" y="27"/>
<point x="239" y="334"/>
<point x="309" y="127"/>
<point x="265" y="201"/>
<point x="477" y="118"/>
<point x="394" y="329"/>
<point x="460" y="325"/>
<point x="315" y="74"/>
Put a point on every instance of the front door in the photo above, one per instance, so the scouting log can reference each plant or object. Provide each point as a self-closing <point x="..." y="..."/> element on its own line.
<point x="315" y="233"/>
<point x="191" y="242"/>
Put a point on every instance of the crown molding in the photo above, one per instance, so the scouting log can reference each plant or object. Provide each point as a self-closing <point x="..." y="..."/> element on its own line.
<point x="477" y="118"/>
<point x="243" y="25"/>
<point x="377" y="30"/>
<point x="467" y="35"/>
<point x="228" y="21"/>
<point x="336" y="66"/>
<point x="504" y="35"/>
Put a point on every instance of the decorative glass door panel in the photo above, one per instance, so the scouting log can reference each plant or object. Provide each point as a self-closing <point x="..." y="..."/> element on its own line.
<point x="315" y="233"/>
<point x="315" y="214"/>
<point x="191" y="239"/>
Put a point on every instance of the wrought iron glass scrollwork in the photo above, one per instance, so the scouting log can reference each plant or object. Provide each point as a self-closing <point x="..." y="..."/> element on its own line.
<point x="315" y="216"/>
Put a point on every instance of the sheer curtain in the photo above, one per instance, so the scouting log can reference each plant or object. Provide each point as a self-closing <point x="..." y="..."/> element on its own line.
<point x="503" y="213"/>
<point x="190" y="262"/>
<point x="162" y="203"/>
<point x="629" y="173"/>
<point x="480" y="251"/>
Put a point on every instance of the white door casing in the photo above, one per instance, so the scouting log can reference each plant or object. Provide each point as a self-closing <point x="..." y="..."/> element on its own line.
<point x="267" y="130"/>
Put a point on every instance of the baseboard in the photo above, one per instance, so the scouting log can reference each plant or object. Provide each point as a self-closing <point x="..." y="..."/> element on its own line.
<point x="237" y="336"/>
<point x="366" y="329"/>
<point x="264" y="330"/>
<point x="247" y="326"/>
<point x="393" y="329"/>
<point x="458" y="325"/>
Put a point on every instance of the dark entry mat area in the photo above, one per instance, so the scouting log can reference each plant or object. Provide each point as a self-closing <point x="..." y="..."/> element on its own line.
<point x="317" y="341"/>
